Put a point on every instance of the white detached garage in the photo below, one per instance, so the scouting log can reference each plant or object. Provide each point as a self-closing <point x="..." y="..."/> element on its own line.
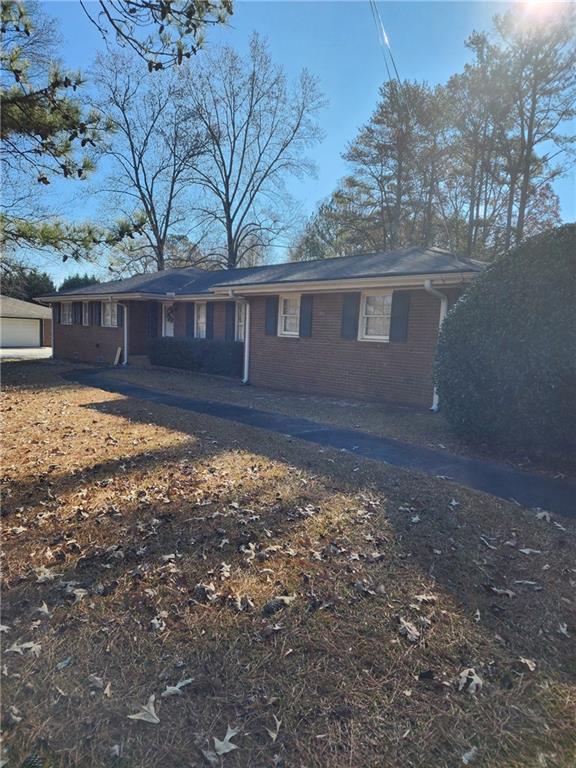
<point x="23" y="324"/>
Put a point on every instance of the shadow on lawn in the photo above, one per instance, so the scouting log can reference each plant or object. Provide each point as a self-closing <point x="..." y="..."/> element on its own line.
<point x="444" y="545"/>
<point x="378" y="670"/>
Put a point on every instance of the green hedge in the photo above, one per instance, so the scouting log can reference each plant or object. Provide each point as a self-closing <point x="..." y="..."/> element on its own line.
<point x="224" y="358"/>
<point x="506" y="361"/>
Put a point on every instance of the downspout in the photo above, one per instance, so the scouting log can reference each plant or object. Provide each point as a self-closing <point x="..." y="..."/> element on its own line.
<point x="52" y="309"/>
<point x="125" y="350"/>
<point x="246" y="377"/>
<point x="443" y="310"/>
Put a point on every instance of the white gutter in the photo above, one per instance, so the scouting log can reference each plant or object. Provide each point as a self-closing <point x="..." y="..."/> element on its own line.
<point x="246" y="376"/>
<point x="443" y="310"/>
<point x="125" y="350"/>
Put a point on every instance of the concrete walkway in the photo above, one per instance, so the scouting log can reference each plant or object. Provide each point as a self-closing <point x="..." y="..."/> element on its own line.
<point x="558" y="496"/>
<point x="8" y="354"/>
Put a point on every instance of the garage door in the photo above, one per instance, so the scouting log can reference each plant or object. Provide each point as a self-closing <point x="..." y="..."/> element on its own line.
<point x="16" y="332"/>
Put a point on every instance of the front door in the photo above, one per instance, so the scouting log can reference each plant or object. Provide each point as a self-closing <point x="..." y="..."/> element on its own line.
<point x="167" y="320"/>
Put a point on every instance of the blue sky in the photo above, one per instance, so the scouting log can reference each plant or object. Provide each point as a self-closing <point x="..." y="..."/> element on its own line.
<point x="337" y="42"/>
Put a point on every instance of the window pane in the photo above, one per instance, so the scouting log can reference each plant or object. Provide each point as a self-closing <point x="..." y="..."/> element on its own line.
<point x="376" y="326"/>
<point x="377" y="305"/>
<point x="290" y="307"/>
<point x="290" y="324"/>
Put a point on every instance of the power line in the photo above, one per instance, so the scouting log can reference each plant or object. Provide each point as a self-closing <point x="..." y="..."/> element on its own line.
<point x="387" y="51"/>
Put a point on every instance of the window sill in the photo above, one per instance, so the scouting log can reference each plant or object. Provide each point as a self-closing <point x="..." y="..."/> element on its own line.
<point x="379" y="340"/>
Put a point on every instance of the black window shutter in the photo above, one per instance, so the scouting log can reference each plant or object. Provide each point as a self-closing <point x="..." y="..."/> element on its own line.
<point x="209" y="319"/>
<point x="152" y="319"/>
<point x="399" y="316"/>
<point x="306" y="315"/>
<point x="77" y="313"/>
<point x="190" y="320"/>
<point x="350" y="313"/>
<point x="230" y="322"/>
<point x="271" y="322"/>
<point x="58" y="312"/>
<point x="120" y="315"/>
<point x="97" y="313"/>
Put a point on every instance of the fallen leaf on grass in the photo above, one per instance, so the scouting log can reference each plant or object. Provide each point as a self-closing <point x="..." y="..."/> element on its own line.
<point x="277" y="604"/>
<point x="224" y="746"/>
<point x="528" y="551"/>
<point x="43" y="609"/>
<point x="408" y="630"/>
<point x="19" y="648"/>
<point x="4" y="628"/>
<point x="503" y="592"/>
<point x="241" y="603"/>
<point x="470" y="756"/>
<point x="205" y="593"/>
<point x="44" y="574"/>
<point x="176" y="690"/>
<point x="530" y="663"/>
<point x="563" y="629"/>
<point x="95" y="681"/>
<point x="427" y="599"/>
<point x="529" y="584"/>
<point x="273" y="732"/>
<point x="147" y="712"/>
<point x="469" y="681"/>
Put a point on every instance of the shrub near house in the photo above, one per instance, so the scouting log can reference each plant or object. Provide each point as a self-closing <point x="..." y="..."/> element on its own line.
<point x="223" y="358"/>
<point x="506" y="360"/>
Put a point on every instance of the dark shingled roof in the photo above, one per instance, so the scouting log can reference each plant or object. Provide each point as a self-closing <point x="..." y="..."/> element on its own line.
<point x="10" y="307"/>
<point x="402" y="262"/>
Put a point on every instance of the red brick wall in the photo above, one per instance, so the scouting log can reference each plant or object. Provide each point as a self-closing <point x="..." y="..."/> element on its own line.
<point x="95" y="344"/>
<point x="327" y="364"/>
<point x="46" y="333"/>
<point x="90" y="344"/>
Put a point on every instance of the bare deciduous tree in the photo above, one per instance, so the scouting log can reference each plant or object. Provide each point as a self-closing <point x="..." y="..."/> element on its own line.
<point x="257" y="131"/>
<point x="151" y="151"/>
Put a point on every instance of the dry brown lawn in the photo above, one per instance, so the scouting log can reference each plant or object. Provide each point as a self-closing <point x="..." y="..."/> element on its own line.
<point x="322" y="607"/>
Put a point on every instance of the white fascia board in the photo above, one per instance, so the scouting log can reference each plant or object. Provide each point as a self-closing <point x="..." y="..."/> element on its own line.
<point x="317" y="286"/>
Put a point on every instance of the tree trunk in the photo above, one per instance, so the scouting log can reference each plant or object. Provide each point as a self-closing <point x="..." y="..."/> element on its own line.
<point x="510" y="211"/>
<point x="527" y="162"/>
<point x="472" y="202"/>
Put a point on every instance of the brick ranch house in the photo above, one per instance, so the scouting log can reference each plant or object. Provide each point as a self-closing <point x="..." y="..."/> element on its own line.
<point x="360" y="326"/>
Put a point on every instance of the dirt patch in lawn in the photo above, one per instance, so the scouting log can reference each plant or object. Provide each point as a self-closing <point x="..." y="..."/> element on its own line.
<point x="411" y="425"/>
<point x="328" y="611"/>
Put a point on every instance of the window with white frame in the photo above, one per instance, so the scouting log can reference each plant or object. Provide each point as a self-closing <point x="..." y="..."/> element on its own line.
<point x="289" y="316"/>
<point x="240" y="320"/>
<point x="200" y="320"/>
<point x="66" y="313"/>
<point x="109" y="314"/>
<point x="375" y="311"/>
<point x="85" y="313"/>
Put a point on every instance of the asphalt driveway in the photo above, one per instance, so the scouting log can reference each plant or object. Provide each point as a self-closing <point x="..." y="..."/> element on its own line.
<point x="530" y="490"/>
